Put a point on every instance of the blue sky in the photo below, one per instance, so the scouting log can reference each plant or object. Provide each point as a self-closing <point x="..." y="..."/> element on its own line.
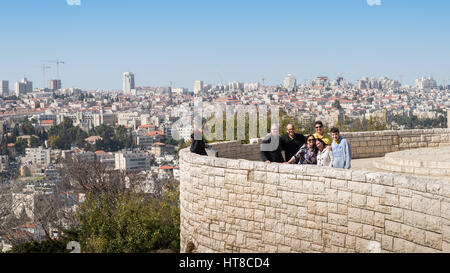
<point x="222" y="41"/>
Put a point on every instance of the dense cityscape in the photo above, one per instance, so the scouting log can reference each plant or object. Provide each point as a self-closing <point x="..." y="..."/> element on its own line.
<point x="136" y="131"/>
<point x="231" y="127"/>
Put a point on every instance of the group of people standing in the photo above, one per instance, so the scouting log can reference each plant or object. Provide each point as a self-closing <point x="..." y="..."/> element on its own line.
<point x="316" y="149"/>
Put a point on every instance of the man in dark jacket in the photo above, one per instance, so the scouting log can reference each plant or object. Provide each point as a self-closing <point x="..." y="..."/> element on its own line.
<point x="271" y="147"/>
<point x="198" y="146"/>
<point x="291" y="142"/>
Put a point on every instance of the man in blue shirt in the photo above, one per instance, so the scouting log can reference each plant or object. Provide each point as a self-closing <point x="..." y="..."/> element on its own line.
<point x="342" y="151"/>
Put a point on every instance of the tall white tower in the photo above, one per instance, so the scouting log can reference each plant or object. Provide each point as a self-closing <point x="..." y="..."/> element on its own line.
<point x="128" y="82"/>
<point x="290" y="82"/>
<point x="198" y="87"/>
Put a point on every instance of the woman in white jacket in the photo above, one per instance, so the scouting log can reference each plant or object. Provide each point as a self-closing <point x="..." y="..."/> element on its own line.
<point x="325" y="155"/>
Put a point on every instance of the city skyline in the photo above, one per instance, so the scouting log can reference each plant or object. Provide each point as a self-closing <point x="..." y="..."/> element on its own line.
<point x="181" y="43"/>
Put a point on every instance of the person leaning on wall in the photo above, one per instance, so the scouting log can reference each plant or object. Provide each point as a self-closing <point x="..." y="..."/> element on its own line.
<point x="199" y="144"/>
<point x="271" y="146"/>
<point x="307" y="155"/>
<point x="324" y="155"/>
<point x="342" y="152"/>
<point x="320" y="134"/>
<point x="292" y="142"/>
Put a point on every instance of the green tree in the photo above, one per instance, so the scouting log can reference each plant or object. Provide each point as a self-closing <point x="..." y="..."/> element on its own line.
<point x="34" y="142"/>
<point x="28" y="128"/>
<point x="47" y="246"/>
<point x="20" y="146"/>
<point x="337" y="104"/>
<point x="130" y="223"/>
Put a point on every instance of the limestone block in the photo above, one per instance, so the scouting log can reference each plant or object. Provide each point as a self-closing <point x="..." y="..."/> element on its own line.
<point x="433" y="240"/>
<point x="368" y="232"/>
<point x="321" y="208"/>
<point x="404" y="192"/>
<point x="287" y="169"/>
<point x="445" y="188"/>
<point x="287" y="197"/>
<point x="359" y="176"/>
<point x="350" y="243"/>
<point x="246" y="165"/>
<point x="372" y="202"/>
<point x="434" y="186"/>
<point x="259" y="176"/>
<point x="354" y="214"/>
<point x="395" y="140"/>
<point x="436" y="138"/>
<point x="291" y="230"/>
<point x="445" y="210"/>
<point x="333" y="207"/>
<point x="273" y="167"/>
<point x="362" y="245"/>
<point x="399" y="245"/>
<point x="232" y="164"/>
<point x="220" y="162"/>
<point x="292" y="211"/>
<point x="390" y="200"/>
<point x="360" y="188"/>
<point x="338" y="239"/>
<point x="216" y="171"/>
<point x="380" y="178"/>
<point x="387" y="242"/>
<point x="415" y="219"/>
<point x="339" y="173"/>
<point x="342" y="209"/>
<point x="417" y="184"/>
<point x="273" y="178"/>
<point x="392" y="228"/>
<point x="300" y="199"/>
<point x="378" y="219"/>
<point x="434" y="224"/>
<point x="319" y="188"/>
<point x="332" y="195"/>
<point x="338" y="184"/>
<point x="446" y="247"/>
<point x="259" y="215"/>
<point x="426" y="205"/>
<point x="446" y="233"/>
<point x="308" y="187"/>
<point x="344" y="197"/>
<point x="337" y="219"/>
<point x="358" y="200"/>
<point x="260" y="166"/>
<point x="396" y="215"/>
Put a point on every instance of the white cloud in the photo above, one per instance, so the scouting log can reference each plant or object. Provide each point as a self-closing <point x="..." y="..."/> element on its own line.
<point x="73" y="2"/>
<point x="374" y="2"/>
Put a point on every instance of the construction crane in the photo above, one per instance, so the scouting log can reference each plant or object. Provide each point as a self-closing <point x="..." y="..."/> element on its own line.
<point x="57" y="62"/>
<point x="44" y="67"/>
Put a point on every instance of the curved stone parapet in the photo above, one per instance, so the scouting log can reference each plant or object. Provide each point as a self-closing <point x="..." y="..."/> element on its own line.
<point x="236" y="205"/>
<point x="427" y="161"/>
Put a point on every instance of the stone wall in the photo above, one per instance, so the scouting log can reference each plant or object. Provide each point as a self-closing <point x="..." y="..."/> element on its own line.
<point x="234" y="149"/>
<point x="364" y="144"/>
<point x="377" y="144"/>
<point x="230" y="205"/>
